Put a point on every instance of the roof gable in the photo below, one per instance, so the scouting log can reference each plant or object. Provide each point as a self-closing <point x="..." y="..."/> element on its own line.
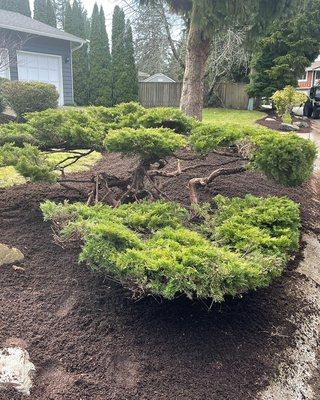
<point x="21" y="23"/>
<point x="159" y="75"/>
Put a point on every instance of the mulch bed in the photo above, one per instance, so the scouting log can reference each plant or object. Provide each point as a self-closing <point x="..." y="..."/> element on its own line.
<point x="89" y="340"/>
<point x="5" y="118"/>
<point x="275" y="125"/>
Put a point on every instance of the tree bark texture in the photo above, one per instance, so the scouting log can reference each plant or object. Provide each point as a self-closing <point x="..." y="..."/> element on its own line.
<point x="198" y="48"/>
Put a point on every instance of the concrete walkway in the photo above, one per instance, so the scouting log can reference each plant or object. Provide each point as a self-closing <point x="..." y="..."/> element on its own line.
<point x="299" y="372"/>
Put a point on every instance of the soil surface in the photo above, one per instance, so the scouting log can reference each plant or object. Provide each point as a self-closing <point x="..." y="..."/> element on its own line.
<point x="276" y="124"/>
<point x="90" y="341"/>
<point x="6" y="118"/>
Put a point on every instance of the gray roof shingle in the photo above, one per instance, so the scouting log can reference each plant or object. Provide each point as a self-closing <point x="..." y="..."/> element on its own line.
<point x="21" y="23"/>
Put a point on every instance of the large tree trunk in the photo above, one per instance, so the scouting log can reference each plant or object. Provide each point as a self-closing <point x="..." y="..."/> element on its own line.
<point x="198" y="48"/>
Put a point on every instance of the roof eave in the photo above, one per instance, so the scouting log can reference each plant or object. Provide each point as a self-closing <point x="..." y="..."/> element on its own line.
<point x="52" y="35"/>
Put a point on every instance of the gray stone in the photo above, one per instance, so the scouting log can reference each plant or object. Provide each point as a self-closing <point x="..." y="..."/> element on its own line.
<point x="301" y="124"/>
<point x="288" y="127"/>
<point x="271" y="119"/>
<point x="16" y="369"/>
<point x="9" y="255"/>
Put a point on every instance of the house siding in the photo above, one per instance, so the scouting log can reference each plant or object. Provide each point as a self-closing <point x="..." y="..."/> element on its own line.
<point x="308" y="83"/>
<point x="46" y="45"/>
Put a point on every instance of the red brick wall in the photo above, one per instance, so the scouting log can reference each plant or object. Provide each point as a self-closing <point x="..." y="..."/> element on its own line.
<point x="308" y="82"/>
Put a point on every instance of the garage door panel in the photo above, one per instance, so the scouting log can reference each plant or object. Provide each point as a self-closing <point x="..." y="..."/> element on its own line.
<point x="42" y="68"/>
<point x="43" y="75"/>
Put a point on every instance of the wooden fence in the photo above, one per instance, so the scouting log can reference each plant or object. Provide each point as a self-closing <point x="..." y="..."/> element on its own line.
<point x="232" y="95"/>
<point x="160" y="94"/>
<point x="167" y="94"/>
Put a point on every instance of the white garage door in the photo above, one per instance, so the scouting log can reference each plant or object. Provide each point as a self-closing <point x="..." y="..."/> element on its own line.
<point x="42" y="68"/>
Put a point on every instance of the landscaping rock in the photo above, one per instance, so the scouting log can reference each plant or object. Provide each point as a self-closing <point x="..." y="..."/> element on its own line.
<point x="301" y="124"/>
<point x="288" y="127"/>
<point x="16" y="369"/>
<point x="271" y="119"/>
<point x="9" y="255"/>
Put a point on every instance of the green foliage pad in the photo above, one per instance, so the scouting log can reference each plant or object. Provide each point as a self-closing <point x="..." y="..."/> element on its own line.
<point x="153" y="248"/>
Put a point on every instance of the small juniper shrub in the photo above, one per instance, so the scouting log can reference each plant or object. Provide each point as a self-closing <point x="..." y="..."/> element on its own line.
<point x="286" y="158"/>
<point x="149" y="144"/>
<point x="155" y="248"/>
<point x="29" y="161"/>
<point x="171" y="118"/>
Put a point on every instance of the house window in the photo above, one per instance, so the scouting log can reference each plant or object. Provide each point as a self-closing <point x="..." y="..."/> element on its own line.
<point x="304" y="76"/>
<point x="316" y="77"/>
<point x="4" y="64"/>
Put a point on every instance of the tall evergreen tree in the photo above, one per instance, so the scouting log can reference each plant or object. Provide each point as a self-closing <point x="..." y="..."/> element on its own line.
<point x="99" y="60"/>
<point x="19" y="6"/>
<point x="206" y="18"/>
<point x="131" y="77"/>
<point x="75" y="23"/>
<point x="40" y="10"/>
<point x="282" y="56"/>
<point x="67" y="19"/>
<point x="44" y="11"/>
<point x="118" y="56"/>
<point x="51" y="15"/>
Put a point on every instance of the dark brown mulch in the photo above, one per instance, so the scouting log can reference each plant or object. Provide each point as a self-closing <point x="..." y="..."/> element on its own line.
<point x="276" y="124"/>
<point x="90" y="341"/>
<point x="5" y="118"/>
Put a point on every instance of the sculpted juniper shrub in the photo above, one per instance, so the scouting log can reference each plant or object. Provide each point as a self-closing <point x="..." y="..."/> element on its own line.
<point x="286" y="158"/>
<point x="153" y="248"/>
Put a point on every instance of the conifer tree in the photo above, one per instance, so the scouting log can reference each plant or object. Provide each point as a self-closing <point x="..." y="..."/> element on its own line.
<point x="67" y="20"/>
<point x="100" y="60"/>
<point x="131" y="85"/>
<point x="44" y="12"/>
<point x="207" y="18"/>
<point x="40" y="10"/>
<point x="51" y="15"/>
<point x="24" y="7"/>
<point x="284" y="53"/>
<point x="118" y="56"/>
<point x="75" y="24"/>
<point x="19" y="6"/>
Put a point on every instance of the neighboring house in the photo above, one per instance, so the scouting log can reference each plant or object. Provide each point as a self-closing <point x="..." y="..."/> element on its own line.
<point x="159" y="78"/>
<point x="142" y="76"/>
<point x="310" y="77"/>
<point x="37" y="52"/>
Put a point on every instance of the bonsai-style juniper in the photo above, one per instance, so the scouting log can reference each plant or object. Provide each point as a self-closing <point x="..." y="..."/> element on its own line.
<point x="153" y="136"/>
<point x="133" y="232"/>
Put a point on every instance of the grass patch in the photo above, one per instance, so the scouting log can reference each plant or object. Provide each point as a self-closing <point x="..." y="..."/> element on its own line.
<point x="10" y="177"/>
<point x="84" y="164"/>
<point x="223" y="115"/>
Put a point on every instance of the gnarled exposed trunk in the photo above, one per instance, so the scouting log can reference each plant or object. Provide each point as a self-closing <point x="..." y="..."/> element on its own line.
<point x="198" y="48"/>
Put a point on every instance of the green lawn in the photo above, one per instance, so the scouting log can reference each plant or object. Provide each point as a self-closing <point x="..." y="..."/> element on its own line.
<point x="241" y="117"/>
<point x="9" y="176"/>
<point x="83" y="164"/>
